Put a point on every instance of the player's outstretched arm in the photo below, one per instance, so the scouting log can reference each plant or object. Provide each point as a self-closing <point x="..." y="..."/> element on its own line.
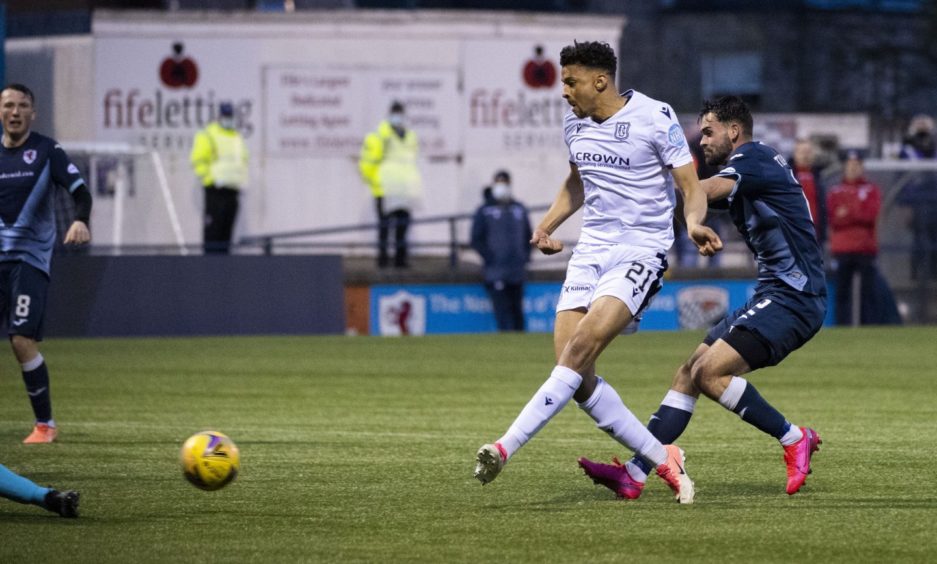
<point x="569" y="199"/>
<point x="717" y="188"/>
<point x="694" y="210"/>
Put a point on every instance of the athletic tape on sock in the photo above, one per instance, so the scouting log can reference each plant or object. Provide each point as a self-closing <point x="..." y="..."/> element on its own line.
<point x="678" y="400"/>
<point x="730" y="398"/>
<point x="33" y="364"/>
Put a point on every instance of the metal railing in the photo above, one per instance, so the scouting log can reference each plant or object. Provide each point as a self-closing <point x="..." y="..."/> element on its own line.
<point x="267" y="241"/>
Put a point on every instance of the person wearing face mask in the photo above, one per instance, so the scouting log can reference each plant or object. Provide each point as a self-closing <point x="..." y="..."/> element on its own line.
<point x="501" y="235"/>
<point x="920" y="195"/>
<point x="219" y="159"/>
<point x="388" y="165"/>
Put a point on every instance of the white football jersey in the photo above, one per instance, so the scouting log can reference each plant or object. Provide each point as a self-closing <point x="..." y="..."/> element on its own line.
<point x="625" y="167"/>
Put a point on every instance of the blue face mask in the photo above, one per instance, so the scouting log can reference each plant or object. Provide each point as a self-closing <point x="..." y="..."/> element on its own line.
<point x="226" y="122"/>
<point x="395" y="119"/>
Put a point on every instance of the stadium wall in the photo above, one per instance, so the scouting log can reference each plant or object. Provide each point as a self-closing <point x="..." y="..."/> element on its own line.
<point x="307" y="87"/>
<point x="124" y="296"/>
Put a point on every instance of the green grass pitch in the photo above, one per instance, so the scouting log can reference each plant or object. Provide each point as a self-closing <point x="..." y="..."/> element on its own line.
<point x="361" y="450"/>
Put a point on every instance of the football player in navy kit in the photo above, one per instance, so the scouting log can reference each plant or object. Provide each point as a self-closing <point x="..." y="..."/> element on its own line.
<point x="31" y="166"/>
<point x="768" y="207"/>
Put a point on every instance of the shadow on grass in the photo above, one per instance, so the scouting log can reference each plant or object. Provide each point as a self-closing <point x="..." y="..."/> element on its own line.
<point x="40" y="517"/>
<point x="566" y="501"/>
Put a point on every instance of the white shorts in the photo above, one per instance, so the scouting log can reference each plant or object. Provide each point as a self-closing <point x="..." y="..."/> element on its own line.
<point x="632" y="275"/>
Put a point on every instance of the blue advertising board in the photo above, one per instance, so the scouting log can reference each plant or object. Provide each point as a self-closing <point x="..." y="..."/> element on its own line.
<point x="465" y="308"/>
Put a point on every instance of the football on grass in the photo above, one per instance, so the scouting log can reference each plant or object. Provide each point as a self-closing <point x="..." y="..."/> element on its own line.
<point x="210" y="460"/>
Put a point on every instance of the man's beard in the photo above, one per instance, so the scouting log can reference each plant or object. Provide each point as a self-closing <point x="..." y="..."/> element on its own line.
<point x="719" y="153"/>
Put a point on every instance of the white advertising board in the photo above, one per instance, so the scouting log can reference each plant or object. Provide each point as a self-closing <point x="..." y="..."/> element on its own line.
<point x="314" y="111"/>
<point x="158" y="92"/>
<point x="308" y="88"/>
<point x="513" y="97"/>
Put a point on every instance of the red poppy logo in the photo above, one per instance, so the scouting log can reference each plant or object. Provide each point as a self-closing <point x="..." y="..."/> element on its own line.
<point x="539" y="72"/>
<point x="178" y="70"/>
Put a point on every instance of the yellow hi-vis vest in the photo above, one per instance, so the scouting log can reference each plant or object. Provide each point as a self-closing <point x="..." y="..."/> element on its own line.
<point x="219" y="157"/>
<point x="388" y="165"/>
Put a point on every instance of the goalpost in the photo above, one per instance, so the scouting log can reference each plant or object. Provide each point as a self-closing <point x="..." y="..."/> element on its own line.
<point x="133" y="203"/>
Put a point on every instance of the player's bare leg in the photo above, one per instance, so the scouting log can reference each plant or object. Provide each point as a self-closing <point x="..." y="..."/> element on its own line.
<point x="716" y="375"/>
<point x="669" y="422"/>
<point x="36" y="378"/>
<point x="491" y="458"/>
<point x="585" y="337"/>
<point x="604" y="321"/>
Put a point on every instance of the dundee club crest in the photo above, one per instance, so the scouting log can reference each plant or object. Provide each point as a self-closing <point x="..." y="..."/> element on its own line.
<point x="29" y="156"/>
<point x="621" y="130"/>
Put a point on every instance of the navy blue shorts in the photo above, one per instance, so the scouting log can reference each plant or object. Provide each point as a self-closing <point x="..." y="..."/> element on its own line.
<point x="780" y="318"/>
<point x="23" y="290"/>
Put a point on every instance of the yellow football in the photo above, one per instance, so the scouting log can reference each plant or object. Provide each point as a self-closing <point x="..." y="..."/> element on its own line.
<point x="210" y="460"/>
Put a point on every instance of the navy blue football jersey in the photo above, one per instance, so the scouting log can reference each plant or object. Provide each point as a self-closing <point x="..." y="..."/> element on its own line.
<point x="770" y="210"/>
<point x="28" y="176"/>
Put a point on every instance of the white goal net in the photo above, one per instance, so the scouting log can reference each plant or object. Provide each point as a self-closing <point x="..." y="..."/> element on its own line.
<point x="133" y="204"/>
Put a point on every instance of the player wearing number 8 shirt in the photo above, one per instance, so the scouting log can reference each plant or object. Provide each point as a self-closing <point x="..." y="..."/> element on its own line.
<point x="625" y="152"/>
<point x="31" y="166"/>
<point x="769" y="209"/>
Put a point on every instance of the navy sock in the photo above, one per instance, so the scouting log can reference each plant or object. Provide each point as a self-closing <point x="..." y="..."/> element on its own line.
<point x="37" y="386"/>
<point x="753" y="409"/>
<point x="667" y="424"/>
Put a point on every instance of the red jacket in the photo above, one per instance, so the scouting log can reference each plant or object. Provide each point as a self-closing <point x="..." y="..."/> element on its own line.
<point x="853" y="213"/>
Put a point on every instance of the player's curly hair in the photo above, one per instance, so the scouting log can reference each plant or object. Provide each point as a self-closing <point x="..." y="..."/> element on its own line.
<point x="591" y="54"/>
<point x="728" y="109"/>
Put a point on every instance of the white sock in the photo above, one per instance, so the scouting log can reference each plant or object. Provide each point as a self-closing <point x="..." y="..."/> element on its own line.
<point x="730" y="398"/>
<point x="545" y="403"/>
<point x="792" y="435"/>
<point x="635" y="471"/>
<point x="612" y="416"/>
<point x="679" y="400"/>
<point x="33" y="364"/>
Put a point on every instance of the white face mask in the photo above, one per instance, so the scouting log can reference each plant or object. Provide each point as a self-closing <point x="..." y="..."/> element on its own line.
<point x="395" y="119"/>
<point x="226" y="122"/>
<point x="501" y="191"/>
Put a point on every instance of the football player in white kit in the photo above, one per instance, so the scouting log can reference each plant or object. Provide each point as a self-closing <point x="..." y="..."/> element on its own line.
<point x="626" y="150"/>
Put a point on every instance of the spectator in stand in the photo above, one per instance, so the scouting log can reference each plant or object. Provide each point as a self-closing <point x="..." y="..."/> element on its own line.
<point x="853" y="207"/>
<point x="808" y="175"/>
<point x="919" y="144"/>
<point x="501" y="235"/>
<point x="921" y="196"/>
